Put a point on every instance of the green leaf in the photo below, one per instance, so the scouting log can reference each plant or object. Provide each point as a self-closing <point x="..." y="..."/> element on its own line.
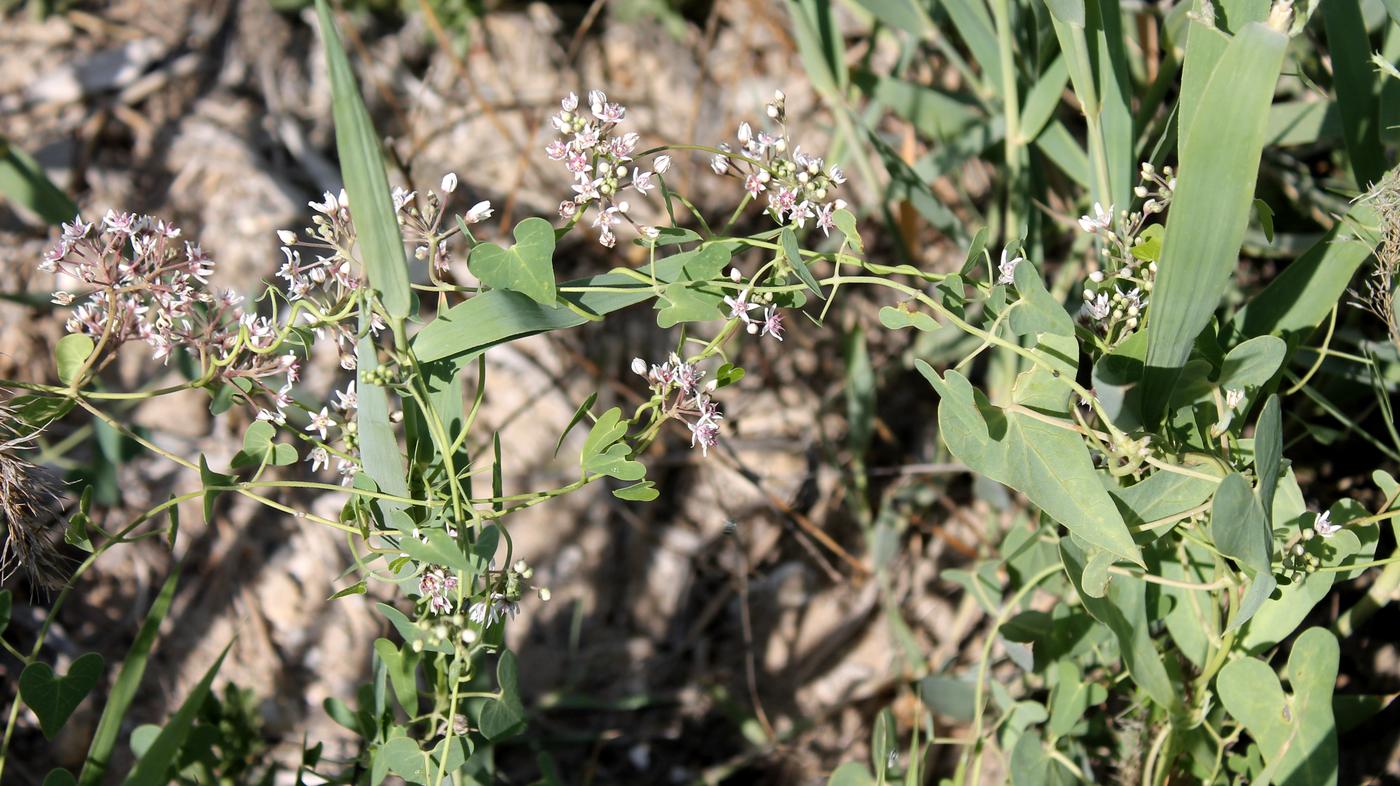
<point x="897" y="318"/>
<point x="358" y="588"/>
<point x="883" y="739"/>
<point x="1050" y="465"/>
<point x="1278" y="617"/>
<point x="209" y="479"/>
<point x="1253" y="362"/>
<point x="935" y="114"/>
<point x="526" y="267"/>
<point x="23" y="182"/>
<point x="380" y="455"/>
<point x="1241" y="531"/>
<point x="1265" y="215"/>
<point x="124" y="689"/>
<point x="1357" y="86"/>
<point x="852" y="773"/>
<point x="1268" y="453"/>
<point x="70" y="354"/>
<point x="173" y="530"/>
<point x="1071" y="12"/>
<point x="1296" y="733"/>
<point x="860" y="394"/>
<point x="1300" y="297"/>
<point x="793" y="254"/>
<point x="1210" y="210"/>
<point x="259" y="446"/>
<point x="402" y="667"/>
<point x="905" y="15"/>
<point x="437" y="548"/>
<point x="574" y="421"/>
<point x="153" y="767"/>
<point x="362" y="166"/>
<point x="845" y="221"/>
<point x="504" y="716"/>
<point x="974" y="252"/>
<point x="1031" y="766"/>
<point x="688" y="302"/>
<point x="1159" y="497"/>
<point x="54" y="698"/>
<point x="1069" y="698"/>
<point x="1124" y="610"/>
<point x="638" y="492"/>
<point x="59" y="777"/>
<point x="1039" y="311"/>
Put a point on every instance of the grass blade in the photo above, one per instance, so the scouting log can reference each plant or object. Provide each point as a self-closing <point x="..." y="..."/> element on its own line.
<point x="1214" y="194"/>
<point x="153" y="768"/>
<point x="362" y="166"/>
<point x="124" y="689"/>
<point x="23" y="182"/>
<point x="1357" y="86"/>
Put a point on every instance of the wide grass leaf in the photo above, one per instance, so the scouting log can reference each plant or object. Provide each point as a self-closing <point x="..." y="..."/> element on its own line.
<point x="23" y="182"/>
<point x="362" y="166"/>
<point x="1214" y="194"/>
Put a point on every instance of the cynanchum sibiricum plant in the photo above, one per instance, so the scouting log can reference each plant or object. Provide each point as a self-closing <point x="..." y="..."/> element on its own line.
<point x="1169" y="546"/>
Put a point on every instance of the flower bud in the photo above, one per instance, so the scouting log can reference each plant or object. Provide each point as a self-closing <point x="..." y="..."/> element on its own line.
<point x="287" y="236"/>
<point x="449" y="182"/>
<point x="661" y="165"/>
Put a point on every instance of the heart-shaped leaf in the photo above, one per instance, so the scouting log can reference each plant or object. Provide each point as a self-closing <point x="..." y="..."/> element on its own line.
<point x="614" y="463"/>
<point x="54" y="698"/>
<point x="685" y="302"/>
<point x="70" y="354"/>
<point x="1297" y="733"/>
<point x="402" y="667"/>
<point x="259" y="447"/>
<point x="526" y="267"/>
<point x="638" y="492"/>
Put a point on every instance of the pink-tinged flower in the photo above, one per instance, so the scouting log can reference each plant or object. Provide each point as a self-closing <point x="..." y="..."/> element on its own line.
<point x="800" y="213"/>
<point x="754" y="184"/>
<point x="606" y="237"/>
<point x="1099" y="221"/>
<point x="330" y="203"/>
<point x="272" y="417"/>
<point x="437" y="586"/>
<point x="569" y="103"/>
<point x="586" y="138"/>
<point x="739" y="307"/>
<point x="556" y="150"/>
<point x="837" y="176"/>
<point x="587" y="190"/>
<point x="119" y="223"/>
<point x="76" y="230"/>
<point x="320" y="422"/>
<point x="1006" y="269"/>
<point x="1324" y="525"/>
<point x="578" y="164"/>
<point x="825" y="221"/>
<point x="567" y="209"/>
<point x="596" y="99"/>
<point x="62" y="298"/>
<point x="609" y="113"/>
<point x="719" y="164"/>
<point x="479" y="212"/>
<point x="705" y="433"/>
<point x="641" y="181"/>
<point x="772" y="323"/>
<point x="320" y="459"/>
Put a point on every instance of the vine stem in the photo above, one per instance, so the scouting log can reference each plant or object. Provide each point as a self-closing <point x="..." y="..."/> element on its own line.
<point x="984" y="666"/>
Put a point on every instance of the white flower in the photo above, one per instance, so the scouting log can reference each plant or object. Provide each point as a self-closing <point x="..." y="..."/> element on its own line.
<point x="320" y="458"/>
<point x="1099" y="221"/>
<point x="1234" y="397"/>
<point x="1324" y="525"/>
<point x="740" y="306"/>
<point x="320" y="421"/>
<point x="348" y="399"/>
<point x="1098" y="308"/>
<point x="639" y="367"/>
<point x="479" y="212"/>
<point x="449" y="182"/>
<point x="287" y="236"/>
<point x="1006" y="269"/>
<point x="661" y="165"/>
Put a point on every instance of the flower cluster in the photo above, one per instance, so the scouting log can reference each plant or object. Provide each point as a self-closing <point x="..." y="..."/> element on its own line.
<point x="437" y="587"/>
<point x="600" y="162"/>
<point x="1116" y="295"/>
<point x="677" y="385"/>
<point x="799" y="186"/>
<point x="768" y="323"/>
<point x="344" y="406"/>
<point x="422" y="225"/>
<point x="146" y="283"/>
